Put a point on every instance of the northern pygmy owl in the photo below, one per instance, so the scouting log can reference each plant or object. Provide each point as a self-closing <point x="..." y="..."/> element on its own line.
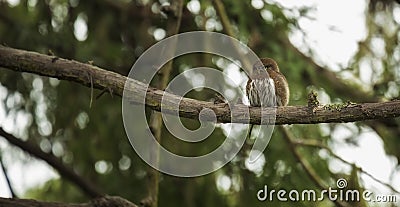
<point x="264" y="81"/>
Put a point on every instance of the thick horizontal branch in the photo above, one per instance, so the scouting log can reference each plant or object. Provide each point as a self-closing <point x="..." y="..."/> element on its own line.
<point x="89" y="75"/>
<point x="106" y="201"/>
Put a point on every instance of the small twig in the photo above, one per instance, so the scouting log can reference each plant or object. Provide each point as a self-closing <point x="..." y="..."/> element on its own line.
<point x="101" y="93"/>
<point x="110" y="91"/>
<point x="91" y="89"/>
<point x="3" y="168"/>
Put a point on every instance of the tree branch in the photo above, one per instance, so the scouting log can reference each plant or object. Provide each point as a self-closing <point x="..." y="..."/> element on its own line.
<point x="53" y="161"/>
<point x="220" y="8"/>
<point x="106" y="201"/>
<point x="156" y="125"/>
<point x="319" y="144"/>
<point x="10" y="187"/>
<point x="51" y="66"/>
<point x="305" y="164"/>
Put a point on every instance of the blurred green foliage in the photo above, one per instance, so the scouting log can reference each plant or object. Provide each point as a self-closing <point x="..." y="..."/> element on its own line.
<point x="92" y="139"/>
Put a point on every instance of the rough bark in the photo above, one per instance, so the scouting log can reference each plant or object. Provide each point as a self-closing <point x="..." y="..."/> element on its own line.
<point x="89" y="75"/>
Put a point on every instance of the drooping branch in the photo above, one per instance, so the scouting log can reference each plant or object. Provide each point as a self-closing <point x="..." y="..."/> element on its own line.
<point x="86" y="74"/>
<point x="290" y="140"/>
<point x="53" y="161"/>
<point x="318" y="144"/>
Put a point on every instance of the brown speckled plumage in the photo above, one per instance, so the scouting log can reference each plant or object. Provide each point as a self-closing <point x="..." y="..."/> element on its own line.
<point x="261" y="85"/>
